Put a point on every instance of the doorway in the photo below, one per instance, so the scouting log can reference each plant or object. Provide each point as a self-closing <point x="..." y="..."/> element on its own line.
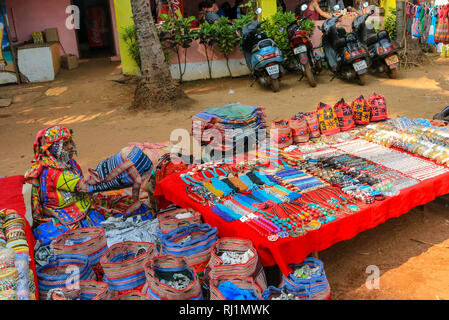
<point x="95" y="36"/>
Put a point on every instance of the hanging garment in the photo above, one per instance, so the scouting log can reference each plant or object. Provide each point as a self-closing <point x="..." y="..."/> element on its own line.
<point x="442" y="30"/>
<point x="433" y="25"/>
<point x="425" y="24"/>
<point x="410" y="14"/>
<point x="415" y="26"/>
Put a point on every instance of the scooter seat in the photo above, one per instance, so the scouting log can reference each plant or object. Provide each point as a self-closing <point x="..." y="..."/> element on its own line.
<point x="341" y="32"/>
<point x="372" y="40"/>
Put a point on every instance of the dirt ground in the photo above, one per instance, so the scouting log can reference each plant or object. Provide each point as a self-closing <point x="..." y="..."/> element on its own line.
<point x="90" y="102"/>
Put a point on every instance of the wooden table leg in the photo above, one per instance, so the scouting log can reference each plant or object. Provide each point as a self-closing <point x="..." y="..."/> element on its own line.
<point x="315" y="254"/>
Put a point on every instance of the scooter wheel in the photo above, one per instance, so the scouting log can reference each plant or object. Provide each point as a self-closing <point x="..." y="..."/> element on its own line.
<point x="309" y="75"/>
<point x="393" y="73"/>
<point x="361" y="79"/>
<point x="275" y="85"/>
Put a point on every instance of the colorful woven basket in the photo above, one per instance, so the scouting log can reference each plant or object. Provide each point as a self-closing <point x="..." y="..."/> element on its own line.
<point x="134" y="295"/>
<point x="281" y="134"/>
<point x="312" y="124"/>
<point x="315" y="288"/>
<point x="362" y="110"/>
<point x="193" y="242"/>
<point x="61" y="271"/>
<point x="169" y="221"/>
<point x="378" y="107"/>
<point x="252" y="268"/>
<point x="327" y="119"/>
<point x="123" y="264"/>
<point x="300" y="131"/>
<point x="164" y="267"/>
<point x="345" y="115"/>
<point x="245" y="283"/>
<point x="88" y="241"/>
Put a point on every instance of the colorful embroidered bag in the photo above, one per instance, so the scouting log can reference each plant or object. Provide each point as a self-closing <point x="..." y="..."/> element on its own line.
<point x="312" y="124"/>
<point x="123" y="264"/>
<point x="281" y="134"/>
<point x="88" y="241"/>
<point x="164" y="267"/>
<point x="243" y="283"/>
<point x="327" y="119"/>
<point x="252" y="268"/>
<point x="313" y="288"/>
<point x="193" y="242"/>
<point x="174" y="219"/>
<point x="133" y="295"/>
<point x="345" y="115"/>
<point x="378" y="107"/>
<point x="61" y="270"/>
<point x="362" y="110"/>
<point x="300" y="131"/>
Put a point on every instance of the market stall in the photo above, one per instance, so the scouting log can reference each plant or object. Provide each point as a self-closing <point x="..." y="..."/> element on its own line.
<point x="414" y="179"/>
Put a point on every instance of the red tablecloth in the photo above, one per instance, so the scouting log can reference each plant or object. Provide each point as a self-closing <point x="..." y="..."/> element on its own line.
<point x="294" y="250"/>
<point x="11" y="197"/>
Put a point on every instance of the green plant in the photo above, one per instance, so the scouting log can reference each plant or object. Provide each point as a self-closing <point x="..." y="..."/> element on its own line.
<point x="129" y="35"/>
<point x="207" y="38"/>
<point x="176" y="33"/>
<point x="390" y="23"/>
<point x="227" y="38"/>
<point x="276" y="29"/>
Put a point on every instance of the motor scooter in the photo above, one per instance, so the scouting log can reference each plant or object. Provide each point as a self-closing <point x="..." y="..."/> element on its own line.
<point x="307" y="58"/>
<point x="263" y="57"/>
<point x="382" y="51"/>
<point x="346" y="56"/>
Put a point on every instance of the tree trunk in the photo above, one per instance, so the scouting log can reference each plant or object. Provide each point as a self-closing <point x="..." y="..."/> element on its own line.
<point x="156" y="88"/>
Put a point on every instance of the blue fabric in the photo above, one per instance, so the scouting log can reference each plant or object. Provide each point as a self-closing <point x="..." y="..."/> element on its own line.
<point x="231" y="292"/>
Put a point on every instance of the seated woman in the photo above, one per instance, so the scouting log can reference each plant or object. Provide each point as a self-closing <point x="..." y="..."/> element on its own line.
<point x="62" y="198"/>
<point x="358" y="7"/>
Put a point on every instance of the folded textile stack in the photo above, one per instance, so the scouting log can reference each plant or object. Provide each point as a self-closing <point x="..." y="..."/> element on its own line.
<point x="233" y="121"/>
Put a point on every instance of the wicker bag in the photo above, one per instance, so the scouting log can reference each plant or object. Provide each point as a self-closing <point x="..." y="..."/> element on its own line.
<point x="245" y="283"/>
<point x="88" y="241"/>
<point x="327" y="119"/>
<point x="312" y="124"/>
<point x="300" y="131"/>
<point x="315" y="288"/>
<point x="133" y="295"/>
<point x="345" y="115"/>
<point x="281" y="134"/>
<point x="252" y="268"/>
<point x="163" y="267"/>
<point x="378" y="107"/>
<point x="123" y="264"/>
<point x="193" y="242"/>
<point x="362" y="110"/>
<point x="61" y="270"/>
<point x="169" y="221"/>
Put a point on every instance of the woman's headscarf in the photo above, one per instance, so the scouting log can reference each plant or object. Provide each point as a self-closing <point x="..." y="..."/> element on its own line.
<point x="48" y="151"/>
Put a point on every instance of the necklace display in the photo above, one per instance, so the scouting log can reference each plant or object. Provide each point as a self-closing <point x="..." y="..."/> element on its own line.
<point x="413" y="167"/>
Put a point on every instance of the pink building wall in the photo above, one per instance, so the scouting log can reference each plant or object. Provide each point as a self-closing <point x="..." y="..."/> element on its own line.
<point x="30" y="16"/>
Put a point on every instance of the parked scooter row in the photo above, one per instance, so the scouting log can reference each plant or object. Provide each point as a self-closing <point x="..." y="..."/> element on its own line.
<point x="348" y="54"/>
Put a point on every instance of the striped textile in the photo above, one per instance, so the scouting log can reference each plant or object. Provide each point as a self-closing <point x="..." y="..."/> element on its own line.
<point x="60" y="270"/>
<point x="94" y="290"/>
<point x="118" y="168"/>
<point x="252" y="268"/>
<point x="192" y="242"/>
<point x="88" y="241"/>
<point x="246" y="283"/>
<point x="122" y="269"/>
<point x="315" y="288"/>
<point x="168" y="220"/>
<point x="165" y="266"/>
<point x="133" y="295"/>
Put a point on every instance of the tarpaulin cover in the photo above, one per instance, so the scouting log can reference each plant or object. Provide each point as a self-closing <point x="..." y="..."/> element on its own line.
<point x="11" y="197"/>
<point x="286" y="251"/>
